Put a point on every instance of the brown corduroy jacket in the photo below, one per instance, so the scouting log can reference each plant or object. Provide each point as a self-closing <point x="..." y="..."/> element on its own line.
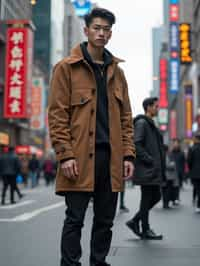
<point x="72" y="120"/>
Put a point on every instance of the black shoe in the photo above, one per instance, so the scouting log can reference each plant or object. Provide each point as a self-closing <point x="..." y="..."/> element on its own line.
<point x="166" y="206"/>
<point x="2" y="202"/>
<point x="151" y="235"/>
<point x="124" y="209"/>
<point x="21" y="196"/>
<point x="13" y="202"/>
<point x="134" y="227"/>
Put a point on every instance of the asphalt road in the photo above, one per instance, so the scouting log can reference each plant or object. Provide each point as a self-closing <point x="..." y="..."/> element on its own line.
<point x="30" y="233"/>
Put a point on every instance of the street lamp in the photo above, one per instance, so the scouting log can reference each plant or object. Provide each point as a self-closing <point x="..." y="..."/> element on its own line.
<point x="33" y="2"/>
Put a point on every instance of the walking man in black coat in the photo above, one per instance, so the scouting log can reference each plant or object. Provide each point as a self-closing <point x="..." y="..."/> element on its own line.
<point x="9" y="168"/>
<point x="149" y="168"/>
<point x="194" y="167"/>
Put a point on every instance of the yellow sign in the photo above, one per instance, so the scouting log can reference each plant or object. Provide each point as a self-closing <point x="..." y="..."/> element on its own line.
<point x="185" y="43"/>
<point x="4" y="138"/>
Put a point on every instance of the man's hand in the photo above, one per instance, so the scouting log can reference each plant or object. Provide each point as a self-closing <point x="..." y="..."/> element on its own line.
<point x="128" y="170"/>
<point x="70" y="169"/>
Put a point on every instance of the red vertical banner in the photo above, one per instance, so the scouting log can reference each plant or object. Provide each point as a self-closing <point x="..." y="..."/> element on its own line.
<point x="188" y="111"/>
<point x="173" y="123"/>
<point x="18" y="76"/>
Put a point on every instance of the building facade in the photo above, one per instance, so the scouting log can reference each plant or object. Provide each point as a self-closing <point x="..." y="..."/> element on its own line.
<point x="72" y="28"/>
<point x="14" y="130"/>
<point x="157" y="37"/>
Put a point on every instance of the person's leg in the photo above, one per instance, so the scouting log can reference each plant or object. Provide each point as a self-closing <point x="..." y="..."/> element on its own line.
<point x="194" y="194"/>
<point x="143" y="213"/>
<point x="198" y="193"/>
<point x="121" y="199"/>
<point x="165" y="198"/>
<point x="4" y="189"/>
<point x="122" y="205"/>
<point x="12" y="182"/>
<point x="105" y="204"/>
<point x="156" y="196"/>
<point x="77" y="203"/>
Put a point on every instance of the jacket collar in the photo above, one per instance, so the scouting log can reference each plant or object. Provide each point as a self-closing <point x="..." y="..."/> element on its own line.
<point x="76" y="56"/>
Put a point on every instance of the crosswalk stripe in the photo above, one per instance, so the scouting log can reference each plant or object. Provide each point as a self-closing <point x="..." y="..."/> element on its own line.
<point x="13" y="206"/>
<point x="29" y="215"/>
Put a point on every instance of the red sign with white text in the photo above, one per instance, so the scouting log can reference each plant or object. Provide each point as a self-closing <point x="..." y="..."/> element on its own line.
<point x="163" y="98"/>
<point x="173" y="122"/>
<point x="174" y="12"/>
<point x="18" y="62"/>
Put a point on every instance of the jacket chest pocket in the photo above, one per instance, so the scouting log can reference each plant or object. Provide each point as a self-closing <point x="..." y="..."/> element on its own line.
<point x="80" y="98"/>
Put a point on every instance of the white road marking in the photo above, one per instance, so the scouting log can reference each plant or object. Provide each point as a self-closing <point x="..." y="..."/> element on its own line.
<point x="29" y="215"/>
<point x="13" y="206"/>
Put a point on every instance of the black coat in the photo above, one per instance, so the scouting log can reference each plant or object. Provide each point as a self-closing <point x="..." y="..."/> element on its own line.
<point x="9" y="164"/>
<point x="150" y="159"/>
<point x="180" y="161"/>
<point x="194" y="161"/>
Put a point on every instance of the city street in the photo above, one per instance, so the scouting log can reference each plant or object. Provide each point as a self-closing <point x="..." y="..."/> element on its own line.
<point x="30" y="233"/>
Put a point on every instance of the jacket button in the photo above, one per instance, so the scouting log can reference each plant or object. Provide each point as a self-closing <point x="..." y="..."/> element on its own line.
<point x="93" y="91"/>
<point x="91" y="155"/>
<point x="82" y="100"/>
<point x="92" y="111"/>
<point x="91" y="133"/>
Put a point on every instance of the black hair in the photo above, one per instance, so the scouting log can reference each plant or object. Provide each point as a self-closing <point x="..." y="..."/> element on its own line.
<point x="99" y="13"/>
<point x="149" y="102"/>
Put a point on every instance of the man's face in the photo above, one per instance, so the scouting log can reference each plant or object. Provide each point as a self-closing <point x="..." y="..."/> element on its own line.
<point x="154" y="109"/>
<point x="176" y="144"/>
<point x="98" y="33"/>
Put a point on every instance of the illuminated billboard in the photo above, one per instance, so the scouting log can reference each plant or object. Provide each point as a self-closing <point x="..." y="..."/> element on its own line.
<point x="82" y="7"/>
<point x="185" y="43"/>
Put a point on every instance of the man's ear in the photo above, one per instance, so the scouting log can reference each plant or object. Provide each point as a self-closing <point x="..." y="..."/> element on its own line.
<point x="110" y="35"/>
<point x="86" y="31"/>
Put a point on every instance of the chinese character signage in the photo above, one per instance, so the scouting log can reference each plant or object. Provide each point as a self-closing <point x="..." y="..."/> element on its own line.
<point x="173" y="122"/>
<point x="18" y="63"/>
<point x="38" y="104"/>
<point x="163" y="99"/>
<point x="185" y="43"/>
<point x="174" y="12"/>
<point x="174" y="37"/>
<point x="174" y="74"/>
<point x="188" y="110"/>
<point x="174" y="47"/>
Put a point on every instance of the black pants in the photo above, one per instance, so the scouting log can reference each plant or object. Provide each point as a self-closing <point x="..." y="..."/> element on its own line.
<point x="196" y="185"/>
<point x="150" y="196"/>
<point x="104" y="206"/>
<point x="8" y="180"/>
<point x="169" y="193"/>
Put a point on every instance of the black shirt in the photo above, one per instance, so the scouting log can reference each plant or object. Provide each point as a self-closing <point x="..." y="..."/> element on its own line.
<point x="102" y="117"/>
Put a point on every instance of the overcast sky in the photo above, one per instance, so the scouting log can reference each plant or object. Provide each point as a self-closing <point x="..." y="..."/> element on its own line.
<point x="131" y="41"/>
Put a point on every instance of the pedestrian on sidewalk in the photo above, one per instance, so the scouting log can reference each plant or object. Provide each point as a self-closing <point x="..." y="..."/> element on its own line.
<point x="91" y="131"/>
<point x="34" y="168"/>
<point x="194" y="168"/>
<point x="171" y="181"/>
<point x="180" y="166"/>
<point x="9" y="169"/>
<point x="149" y="168"/>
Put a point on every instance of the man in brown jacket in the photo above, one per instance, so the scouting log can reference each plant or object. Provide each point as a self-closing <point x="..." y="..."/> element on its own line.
<point x="91" y="131"/>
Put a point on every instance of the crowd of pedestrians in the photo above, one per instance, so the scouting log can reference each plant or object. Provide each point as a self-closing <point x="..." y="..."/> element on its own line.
<point x="22" y="168"/>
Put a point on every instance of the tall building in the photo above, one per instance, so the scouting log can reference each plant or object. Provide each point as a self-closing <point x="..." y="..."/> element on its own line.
<point x="20" y="9"/>
<point x="42" y="47"/>
<point x="157" y="37"/>
<point x="12" y="131"/>
<point x="72" y="29"/>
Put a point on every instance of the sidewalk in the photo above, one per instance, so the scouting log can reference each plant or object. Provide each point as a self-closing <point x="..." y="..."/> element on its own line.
<point x="180" y="227"/>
